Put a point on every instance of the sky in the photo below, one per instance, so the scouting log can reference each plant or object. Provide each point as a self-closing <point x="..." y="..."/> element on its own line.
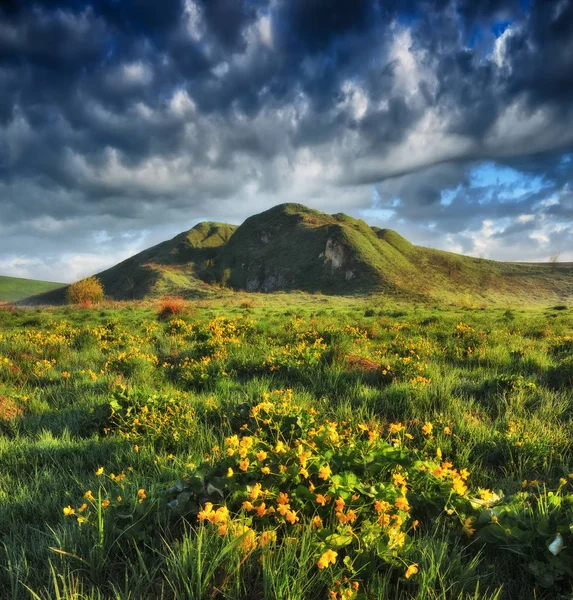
<point x="125" y="122"/>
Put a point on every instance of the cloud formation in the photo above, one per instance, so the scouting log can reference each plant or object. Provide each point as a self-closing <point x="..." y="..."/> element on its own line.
<point x="122" y="123"/>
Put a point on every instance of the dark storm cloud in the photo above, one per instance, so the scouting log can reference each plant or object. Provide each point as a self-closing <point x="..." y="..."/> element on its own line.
<point x="142" y="115"/>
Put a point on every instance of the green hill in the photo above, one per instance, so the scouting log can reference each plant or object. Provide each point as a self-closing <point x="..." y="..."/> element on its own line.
<point x="16" y="288"/>
<point x="292" y="247"/>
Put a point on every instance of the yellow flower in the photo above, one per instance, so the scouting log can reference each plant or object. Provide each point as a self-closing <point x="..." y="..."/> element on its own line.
<point x="411" y="570"/>
<point x="382" y="506"/>
<point x="327" y="558"/>
<point x="427" y="428"/>
<point x="351" y="516"/>
<point x="89" y="496"/>
<point x="320" y="499"/>
<point x="316" y="522"/>
<point x="459" y="486"/>
<point x="485" y="495"/>
<point x="291" y="517"/>
<point x="82" y="507"/>
<point x="232" y="441"/>
<point x="244" y="464"/>
<point x="246" y="442"/>
<point x="230" y="472"/>
<point x="141" y="495"/>
<point x="267" y="537"/>
<point x="339" y="504"/>
<point x="396" y="428"/>
<point x="324" y="472"/>
<point x="265" y="470"/>
<point x="447" y="431"/>
<point x="207" y="510"/>
<point x="81" y="520"/>
<point x="105" y="503"/>
<point x="261" y="455"/>
<point x="99" y="471"/>
<point x="468" y="529"/>
<point x="398" y="479"/>
<point x="255" y="491"/>
<point x="402" y="504"/>
<point x="283" y="509"/>
<point x="69" y="511"/>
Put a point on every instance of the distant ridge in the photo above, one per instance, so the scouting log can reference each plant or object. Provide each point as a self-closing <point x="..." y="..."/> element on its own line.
<point x="13" y="289"/>
<point x="292" y="247"/>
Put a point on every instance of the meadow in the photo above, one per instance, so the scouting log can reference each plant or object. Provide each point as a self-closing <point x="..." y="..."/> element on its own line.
<point x="286" y="447"/>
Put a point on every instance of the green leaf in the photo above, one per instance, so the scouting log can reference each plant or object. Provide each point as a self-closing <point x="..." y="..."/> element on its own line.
<point x="338" y="540"/>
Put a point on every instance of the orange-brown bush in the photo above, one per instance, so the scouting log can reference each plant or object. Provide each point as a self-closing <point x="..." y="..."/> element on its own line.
<point x="169" y="306"/>
<point x="9" y="409"/>
<point x="85" y="292"/>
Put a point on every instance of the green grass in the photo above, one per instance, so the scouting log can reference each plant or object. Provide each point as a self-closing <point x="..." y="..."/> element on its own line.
<point x="16" y="288"/>
<point x="116" y="387"/>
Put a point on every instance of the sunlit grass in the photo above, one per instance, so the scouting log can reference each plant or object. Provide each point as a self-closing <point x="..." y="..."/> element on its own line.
<point x="464" y="414"/>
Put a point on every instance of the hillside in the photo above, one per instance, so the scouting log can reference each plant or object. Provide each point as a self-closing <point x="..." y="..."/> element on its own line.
<point x="292" y="247"/>
<point x="177" y="266"/>
<point x="16" y="288"/>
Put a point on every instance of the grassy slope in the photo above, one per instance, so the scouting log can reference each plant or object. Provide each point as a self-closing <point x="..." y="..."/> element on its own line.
<point x="16" y="288"/>
<point x="291" y="247"/>
<point x="170" y="267"/>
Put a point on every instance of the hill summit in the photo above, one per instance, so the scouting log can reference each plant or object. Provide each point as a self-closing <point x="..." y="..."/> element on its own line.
<point x="292" y="247"/>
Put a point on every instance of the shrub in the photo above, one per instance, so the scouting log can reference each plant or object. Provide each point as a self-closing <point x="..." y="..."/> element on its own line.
<point x="85" y="292"/>
<point x="9" y="409"/>
<point x="467" y="302"/>
<point x="247" y="304"/>
<point x="170" y="306"/>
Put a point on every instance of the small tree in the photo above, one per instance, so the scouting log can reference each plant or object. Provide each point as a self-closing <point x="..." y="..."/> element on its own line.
<point x="554" y="260"/>
<point x="225" y="278"/>
<point x="86" y="292"/>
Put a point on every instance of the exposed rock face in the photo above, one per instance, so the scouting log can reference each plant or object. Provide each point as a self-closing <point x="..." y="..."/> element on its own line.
<point x="268" y="283"/>
<point x="253" y="284"/>
<point x="334" y="254"/>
